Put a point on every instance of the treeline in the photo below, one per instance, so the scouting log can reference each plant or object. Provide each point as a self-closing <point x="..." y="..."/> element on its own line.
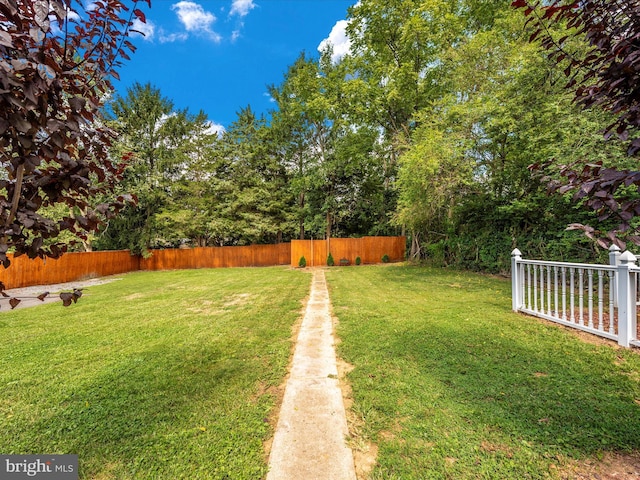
<point x="427" y="128"/>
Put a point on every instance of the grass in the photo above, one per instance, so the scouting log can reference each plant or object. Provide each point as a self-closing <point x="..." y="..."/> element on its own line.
<point x="450" y="384"/>
<point x="159" y="375"/>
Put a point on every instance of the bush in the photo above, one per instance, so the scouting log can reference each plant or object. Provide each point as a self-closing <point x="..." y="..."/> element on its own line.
<point x="302" y="263"/>
<point x="330" y="260"/>
<point x="358" y="260"/>
<point x="385" y="258"/>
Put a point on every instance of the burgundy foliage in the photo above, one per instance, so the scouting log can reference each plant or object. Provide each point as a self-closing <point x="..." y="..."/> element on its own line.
<point x="608" y="76"/>
<point x="57" y="58"/>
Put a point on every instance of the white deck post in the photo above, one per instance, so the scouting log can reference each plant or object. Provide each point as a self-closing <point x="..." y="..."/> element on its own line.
<point x="516" y="283"/>
<point x="626" y="296"/>
<point x="614" y="261"/>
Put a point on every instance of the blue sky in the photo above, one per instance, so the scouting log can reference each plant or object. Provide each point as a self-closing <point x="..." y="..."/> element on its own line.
<point x="220" y="55"/>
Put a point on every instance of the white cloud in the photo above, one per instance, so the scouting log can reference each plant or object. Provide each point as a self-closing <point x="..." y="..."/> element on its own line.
<point x="214" y="129"/>
<point x="338" y="40"/>
<point x="196" y="19"/>
<point x="235" y="35"/>
<point x="147" y="29"/>
<point x="172" y="37"/>
<point x="242" y="7"/>
<point x="270" y="97"/>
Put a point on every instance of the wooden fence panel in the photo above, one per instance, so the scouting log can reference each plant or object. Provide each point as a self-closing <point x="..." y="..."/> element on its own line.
<point x="218" y="257"/>
<point x="369" y="249"/>
<point x="376" y="247"/>
<point x="314" y="252"/>
<point x="24" y="272"/>
<point x="76" y="266"/>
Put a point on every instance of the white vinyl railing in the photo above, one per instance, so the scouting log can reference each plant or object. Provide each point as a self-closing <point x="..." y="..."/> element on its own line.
<point x="599" y="299"/>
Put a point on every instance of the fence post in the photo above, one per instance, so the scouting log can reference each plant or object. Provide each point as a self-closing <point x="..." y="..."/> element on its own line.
<point x="626" y="296"/>
<point x="516" y="286"/>
<point x="614" y="261"/>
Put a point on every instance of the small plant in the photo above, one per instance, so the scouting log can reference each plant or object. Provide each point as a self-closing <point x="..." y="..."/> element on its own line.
<point x="303" y="262"/>
<point x="385" y="258"/>
<point x="358" y="260"/>
<point x="330" y="261"/>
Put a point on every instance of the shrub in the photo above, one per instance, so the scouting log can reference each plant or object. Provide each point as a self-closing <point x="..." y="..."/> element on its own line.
<point x="330" y="260"/>
<point x="385" y="258"/>
<point x="303" y="262"/>
<point x="358" y="260"/>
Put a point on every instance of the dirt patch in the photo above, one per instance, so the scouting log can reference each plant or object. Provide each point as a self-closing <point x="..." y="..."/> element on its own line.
<point x="205" y="307"/>
<point x="237" y="299"/>
<point x="496" y="448"/>
<point x="613" y="466"/>
<point x="586" y="336"/>
<point x="134" y="296"/>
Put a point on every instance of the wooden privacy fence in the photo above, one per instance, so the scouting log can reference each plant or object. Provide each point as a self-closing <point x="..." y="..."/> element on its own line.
<point x="218" y="257"/>
<point x="24" y="272"/>
<point x="369" y="249"/>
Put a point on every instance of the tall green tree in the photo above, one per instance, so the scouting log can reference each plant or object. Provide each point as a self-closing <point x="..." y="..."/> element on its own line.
<point x="186" y="216"/>
<point x="251" y="182"/>
<point x="303" y="129"/>
<point x="151" y="136"/>
<point x="466" y="169"/>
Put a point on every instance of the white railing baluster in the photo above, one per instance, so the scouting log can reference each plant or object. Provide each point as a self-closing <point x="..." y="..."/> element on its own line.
<point x="581" y="295"/>
<point x="555" y="291"/>
<point x="549" y="311"/>
<point x="590" y="297"/>
<point x="572" y="272"/>
<point x="529" y="286"/>
<point x="535" y="288"/>
<point x="612" y="311"/>
<point x="564" y="293"/>
<point x="600" y="300"/>
<point x="542" y="289"/>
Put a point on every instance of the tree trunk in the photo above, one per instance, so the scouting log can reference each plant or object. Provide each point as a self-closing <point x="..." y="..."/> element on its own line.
<point x="328" y="225"/>
<point x="301" y="205"/>
<point x="415" y="252"/>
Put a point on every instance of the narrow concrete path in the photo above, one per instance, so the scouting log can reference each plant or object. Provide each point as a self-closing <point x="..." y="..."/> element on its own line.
<point x="310" y="438"/>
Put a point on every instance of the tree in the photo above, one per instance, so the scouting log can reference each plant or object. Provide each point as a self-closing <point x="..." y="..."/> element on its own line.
<point x="56" y="61"/>
<point x="396" y="67"/>
<point x="606" y="76"/>
<point x="252" y="202"/>
<point x="302" y="126"/>
<point x="188" y="215"/>
<point x="466" y="194"/>
<point x="152" y="134"/>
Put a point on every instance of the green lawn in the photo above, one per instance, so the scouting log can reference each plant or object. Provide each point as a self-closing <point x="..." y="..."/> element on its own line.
<point x="449" y="383"/>
<point x="170" y="375"/>
<point x="156" y="376"/>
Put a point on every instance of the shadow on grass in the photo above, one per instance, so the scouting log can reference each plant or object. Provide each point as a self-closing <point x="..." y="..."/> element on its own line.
<point x="564" y="399"/>
<point x="451" y="384"/>
<point x="164" y="413"/>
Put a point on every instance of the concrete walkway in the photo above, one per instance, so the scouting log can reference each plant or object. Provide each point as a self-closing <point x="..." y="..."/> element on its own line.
<point x="310" y="438"/>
